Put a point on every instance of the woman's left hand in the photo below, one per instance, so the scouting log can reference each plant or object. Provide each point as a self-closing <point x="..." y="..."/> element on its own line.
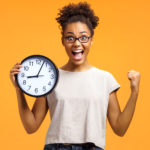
<point x="134" y="78"/>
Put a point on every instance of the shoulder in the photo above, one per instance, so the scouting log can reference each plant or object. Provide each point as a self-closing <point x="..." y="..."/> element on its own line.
<point x="101" y="72"/>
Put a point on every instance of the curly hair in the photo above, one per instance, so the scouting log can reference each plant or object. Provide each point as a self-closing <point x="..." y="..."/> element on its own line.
<point x="80" y="12"/>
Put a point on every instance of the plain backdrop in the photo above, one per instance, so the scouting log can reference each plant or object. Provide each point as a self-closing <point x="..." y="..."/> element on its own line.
<point x="121" y="43"/>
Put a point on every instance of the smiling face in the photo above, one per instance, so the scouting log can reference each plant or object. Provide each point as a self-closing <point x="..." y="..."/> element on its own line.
<point x="77" y="50"/>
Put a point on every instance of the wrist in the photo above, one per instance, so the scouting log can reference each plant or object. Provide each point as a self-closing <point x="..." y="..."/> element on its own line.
<point x="18" y="89"/>
<point x="134" y="91"/>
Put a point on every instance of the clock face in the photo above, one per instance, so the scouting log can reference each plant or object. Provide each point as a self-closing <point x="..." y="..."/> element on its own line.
<point x="38" y="76"/>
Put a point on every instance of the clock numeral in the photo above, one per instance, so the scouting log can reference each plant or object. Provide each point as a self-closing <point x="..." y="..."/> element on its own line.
<point x="52" y="76"/>
<point x="38" y="61"/>
<point x="36" y="90"/>
<point x="46" y="64"/>
<point x="29" y="87"/>
<point x="31" y="63"/>
<point x="26" y="68"/>
<point x="44" y="88"/>
<point x="22" y="75"/>
<point x="49" y="83"/>
<point x="24" y="82"/>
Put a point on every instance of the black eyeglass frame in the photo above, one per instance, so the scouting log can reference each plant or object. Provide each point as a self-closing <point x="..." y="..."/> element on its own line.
<point x="77" y="38"/>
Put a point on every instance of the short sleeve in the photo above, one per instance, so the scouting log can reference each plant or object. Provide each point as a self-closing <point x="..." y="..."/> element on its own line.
<point x="112" y="84"/>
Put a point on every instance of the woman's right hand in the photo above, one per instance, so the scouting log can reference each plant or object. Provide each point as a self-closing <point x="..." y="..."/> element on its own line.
<point x="15" y="70"/>
<point x="31" y="119"/>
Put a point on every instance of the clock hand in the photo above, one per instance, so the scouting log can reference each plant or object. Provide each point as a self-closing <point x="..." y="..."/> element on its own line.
<point x="40" y="68"/>
<point x="40" y="75"/>
<point x="34" y="76"/>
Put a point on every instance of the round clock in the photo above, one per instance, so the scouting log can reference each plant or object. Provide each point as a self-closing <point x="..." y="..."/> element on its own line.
<point x="38" y="76"/>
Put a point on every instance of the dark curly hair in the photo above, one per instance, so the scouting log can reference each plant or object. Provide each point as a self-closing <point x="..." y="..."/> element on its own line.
<point x="80" y="12"/>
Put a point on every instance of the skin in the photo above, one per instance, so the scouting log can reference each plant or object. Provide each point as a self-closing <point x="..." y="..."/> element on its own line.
<point x="77" y="30"/>
<point x="31" y="118"/>
<point x="119" y="120"/>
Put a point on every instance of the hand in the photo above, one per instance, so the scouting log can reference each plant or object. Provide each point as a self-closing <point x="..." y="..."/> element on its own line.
<point x="134" y="78"/>
<point x="40" y="69"/>
<point x="35" y="76"/>
<point x="15" y="70"/>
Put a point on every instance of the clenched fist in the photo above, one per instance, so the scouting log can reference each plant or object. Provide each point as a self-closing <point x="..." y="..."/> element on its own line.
<point x="134" y="78"/>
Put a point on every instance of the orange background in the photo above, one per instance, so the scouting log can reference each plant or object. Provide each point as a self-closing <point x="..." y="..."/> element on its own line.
<point x="121" y="43"/>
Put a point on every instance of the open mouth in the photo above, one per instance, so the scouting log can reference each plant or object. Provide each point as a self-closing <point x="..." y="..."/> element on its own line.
<point x="77" y="54"/>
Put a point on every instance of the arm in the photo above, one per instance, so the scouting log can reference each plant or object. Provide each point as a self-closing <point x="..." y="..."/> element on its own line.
<point x="31" y="119"/>
<point x="120" y="121"/>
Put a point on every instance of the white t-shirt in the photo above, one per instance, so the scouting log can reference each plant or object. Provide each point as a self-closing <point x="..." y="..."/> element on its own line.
<point x="78" y="107"/>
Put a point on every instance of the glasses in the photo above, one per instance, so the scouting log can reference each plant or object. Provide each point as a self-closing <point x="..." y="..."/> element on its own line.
<point x="82" y="39"/>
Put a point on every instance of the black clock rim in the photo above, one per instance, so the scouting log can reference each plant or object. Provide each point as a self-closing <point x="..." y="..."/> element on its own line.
<point x="57" y="75"/>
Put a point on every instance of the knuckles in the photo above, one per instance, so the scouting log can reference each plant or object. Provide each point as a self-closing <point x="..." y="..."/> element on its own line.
<point x="133" y="74"/>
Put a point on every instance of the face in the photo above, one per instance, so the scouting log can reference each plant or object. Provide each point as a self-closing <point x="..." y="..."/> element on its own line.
<point x="77" y="50"/>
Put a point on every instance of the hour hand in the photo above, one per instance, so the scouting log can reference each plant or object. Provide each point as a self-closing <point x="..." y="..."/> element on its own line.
<point x="32" y="76"/>
<point x="35" y="76"/>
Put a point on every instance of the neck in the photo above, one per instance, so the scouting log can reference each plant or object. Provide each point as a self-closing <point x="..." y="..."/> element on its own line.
<point x="70" y="66"/>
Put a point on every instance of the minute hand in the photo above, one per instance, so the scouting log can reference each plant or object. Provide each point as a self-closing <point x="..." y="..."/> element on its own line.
<point x="40" y="69"/>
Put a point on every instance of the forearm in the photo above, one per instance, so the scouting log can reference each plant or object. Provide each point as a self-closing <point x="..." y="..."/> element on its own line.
<point x="125" y="117"/>
<point x="26" y="114"/>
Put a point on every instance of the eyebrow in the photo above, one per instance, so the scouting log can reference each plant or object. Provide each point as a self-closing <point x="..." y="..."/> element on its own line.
<point x="73" y="33"/>
<point x="83" y="32"/>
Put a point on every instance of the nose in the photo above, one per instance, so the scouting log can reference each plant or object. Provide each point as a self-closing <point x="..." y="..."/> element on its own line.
<point x="77" y="42"/>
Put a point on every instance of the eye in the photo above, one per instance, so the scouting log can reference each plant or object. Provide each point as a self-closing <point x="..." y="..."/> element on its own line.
<point x="70" y="38"/>
<point x="83" y="38"/>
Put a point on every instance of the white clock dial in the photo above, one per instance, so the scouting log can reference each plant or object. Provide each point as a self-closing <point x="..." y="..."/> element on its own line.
<point x="38" y="75"/>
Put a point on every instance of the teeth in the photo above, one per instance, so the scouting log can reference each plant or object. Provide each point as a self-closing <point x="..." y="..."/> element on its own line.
<point x="77" y="51"/>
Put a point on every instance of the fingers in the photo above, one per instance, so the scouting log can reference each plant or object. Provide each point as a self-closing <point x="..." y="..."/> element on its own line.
<point x="15" y="69"/>
<point x="14" y="72"/>
<point x="132" y="74"/>
<point x="17" y="65"/>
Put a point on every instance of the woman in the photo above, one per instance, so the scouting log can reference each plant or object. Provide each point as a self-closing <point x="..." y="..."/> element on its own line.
<point x="84" y="95"/>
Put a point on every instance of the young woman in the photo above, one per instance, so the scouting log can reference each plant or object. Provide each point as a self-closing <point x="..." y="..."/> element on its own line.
<point x="84" y="96"/>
